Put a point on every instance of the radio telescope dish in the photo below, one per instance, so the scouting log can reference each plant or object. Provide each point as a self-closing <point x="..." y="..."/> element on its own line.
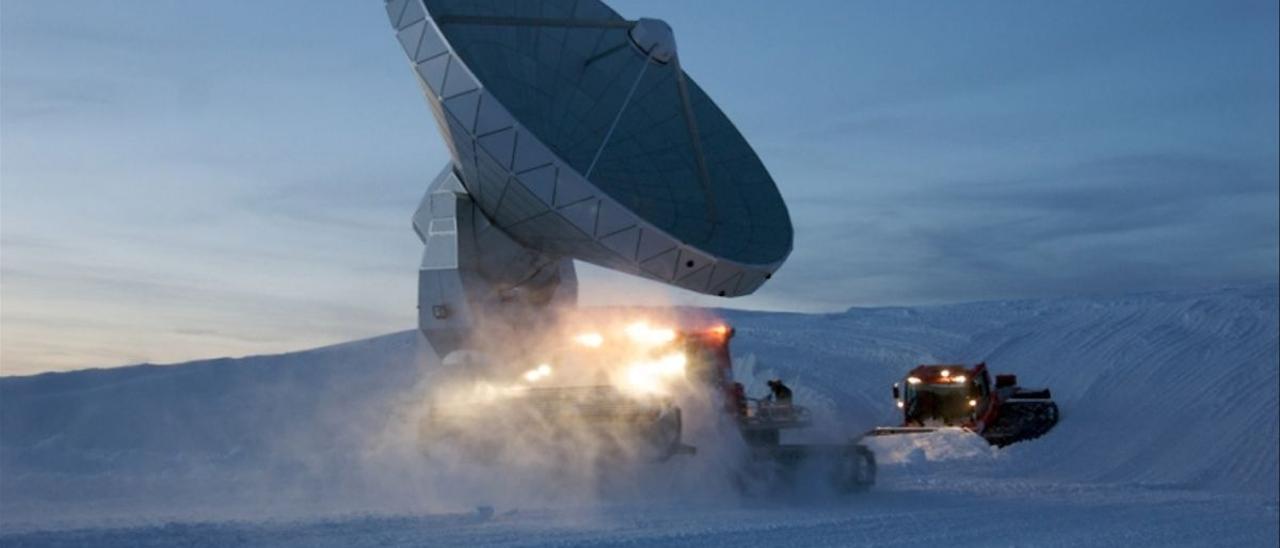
<point x="576" y="134"/>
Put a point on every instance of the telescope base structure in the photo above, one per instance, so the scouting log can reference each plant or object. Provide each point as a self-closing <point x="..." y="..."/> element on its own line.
<point x="474" y="276"/>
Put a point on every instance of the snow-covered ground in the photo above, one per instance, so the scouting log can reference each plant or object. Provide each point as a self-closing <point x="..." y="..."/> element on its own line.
<point x="1169" y="434"/>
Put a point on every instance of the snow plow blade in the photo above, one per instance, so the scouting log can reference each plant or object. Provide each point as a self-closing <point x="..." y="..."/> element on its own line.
<point x="897" y="430"/>
<point x="1020" y="420"/>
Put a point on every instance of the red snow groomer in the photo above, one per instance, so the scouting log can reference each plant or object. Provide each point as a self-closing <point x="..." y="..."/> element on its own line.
<point x="932" y="397"/>
<point x="606" y="391"/>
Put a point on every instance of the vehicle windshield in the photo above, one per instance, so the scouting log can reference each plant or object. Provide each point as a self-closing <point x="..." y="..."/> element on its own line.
<point x="930" y="404"/>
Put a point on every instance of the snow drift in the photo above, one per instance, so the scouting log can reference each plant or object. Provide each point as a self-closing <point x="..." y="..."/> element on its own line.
<point x="1170" y="390"/>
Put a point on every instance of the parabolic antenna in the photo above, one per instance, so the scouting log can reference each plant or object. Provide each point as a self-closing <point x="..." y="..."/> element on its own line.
<point x="575" y="134"/>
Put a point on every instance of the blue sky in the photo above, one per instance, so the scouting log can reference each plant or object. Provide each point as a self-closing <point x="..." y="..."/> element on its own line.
<point x="196" y="179"/>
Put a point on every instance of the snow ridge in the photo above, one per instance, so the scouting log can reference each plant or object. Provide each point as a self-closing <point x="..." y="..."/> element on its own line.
<point x="1159" y="391"/>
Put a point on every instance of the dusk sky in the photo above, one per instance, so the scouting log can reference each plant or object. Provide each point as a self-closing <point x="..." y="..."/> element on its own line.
<point x="183" y="180"/>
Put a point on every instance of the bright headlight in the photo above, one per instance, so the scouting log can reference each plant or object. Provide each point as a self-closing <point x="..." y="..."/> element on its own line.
<point x="913" y="380"/>
<point x="959" y="378"/>
<point x="973" y="403"/>
<point x="593" y="340"/>
<point x="538" y="373"/>
<point x="641" y="332"/>
<point x="653" y="376"/>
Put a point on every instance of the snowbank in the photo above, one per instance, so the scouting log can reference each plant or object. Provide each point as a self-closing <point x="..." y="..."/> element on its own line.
<point x="1164" y="390"/>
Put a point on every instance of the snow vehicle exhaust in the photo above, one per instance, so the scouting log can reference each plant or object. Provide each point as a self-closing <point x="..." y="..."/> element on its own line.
<point x="934" y="397"/>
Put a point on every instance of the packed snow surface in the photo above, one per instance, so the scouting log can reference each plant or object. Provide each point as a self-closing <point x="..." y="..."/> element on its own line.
<point x="1169" y="434"/>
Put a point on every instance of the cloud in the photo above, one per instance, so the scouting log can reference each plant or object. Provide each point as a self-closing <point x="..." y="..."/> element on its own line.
<point x="377" y="198"/>
<point x="169" y="188"/>
<point x="1112" y="224"/>
<point x="1110" y="196"/>
<point x="1107" y="196"/>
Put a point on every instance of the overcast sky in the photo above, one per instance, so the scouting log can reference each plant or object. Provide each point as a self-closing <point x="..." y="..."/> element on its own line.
<point x="198" y="179"/>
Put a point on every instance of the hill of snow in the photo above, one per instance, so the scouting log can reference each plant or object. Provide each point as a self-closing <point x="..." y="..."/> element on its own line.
<point x="1170" y="426"/>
